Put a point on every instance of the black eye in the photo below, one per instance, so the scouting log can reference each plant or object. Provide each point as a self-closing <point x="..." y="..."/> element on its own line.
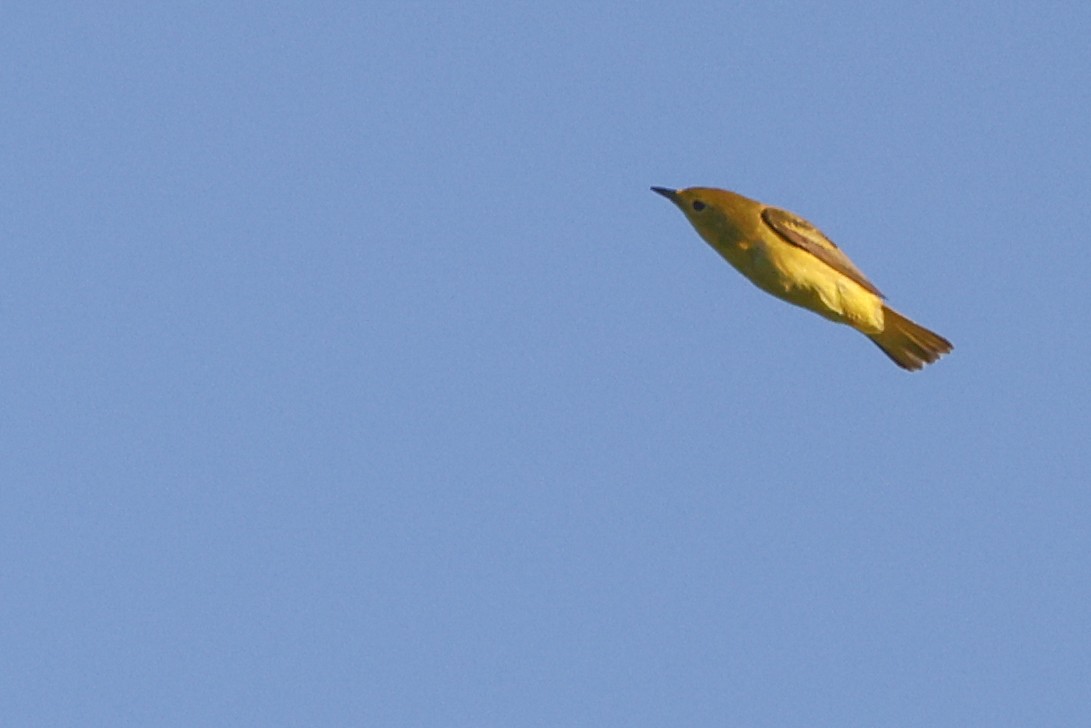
<point x="698" y="205"/>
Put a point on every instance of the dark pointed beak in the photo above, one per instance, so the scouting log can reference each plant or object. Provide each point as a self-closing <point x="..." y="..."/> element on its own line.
<point x="666" y="192"/>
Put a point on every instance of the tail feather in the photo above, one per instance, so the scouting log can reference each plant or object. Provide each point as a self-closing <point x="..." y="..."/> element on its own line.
<point x="910" y="345"/>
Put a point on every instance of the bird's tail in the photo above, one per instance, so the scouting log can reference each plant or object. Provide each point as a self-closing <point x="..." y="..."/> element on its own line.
<point x="910" y="345"/>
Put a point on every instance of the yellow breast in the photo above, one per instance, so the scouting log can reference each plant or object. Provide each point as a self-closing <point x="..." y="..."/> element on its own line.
<point x="796" y="276"/>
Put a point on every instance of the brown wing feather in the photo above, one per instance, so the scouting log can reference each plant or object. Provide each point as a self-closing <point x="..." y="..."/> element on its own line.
<point x="802" y="234"/>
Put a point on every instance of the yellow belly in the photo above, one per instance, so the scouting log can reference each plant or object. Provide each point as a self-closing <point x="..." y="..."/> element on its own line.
<point x="798" y="277"/>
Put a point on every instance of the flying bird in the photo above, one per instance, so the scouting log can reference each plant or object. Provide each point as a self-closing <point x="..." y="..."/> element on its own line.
<point x="788" y="257"/>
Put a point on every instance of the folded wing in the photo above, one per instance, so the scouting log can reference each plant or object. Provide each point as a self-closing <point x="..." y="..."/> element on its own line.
<point x="802" y="234"/>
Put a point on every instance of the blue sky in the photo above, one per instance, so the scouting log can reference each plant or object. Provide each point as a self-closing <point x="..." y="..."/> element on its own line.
<point x="352" y="375"/>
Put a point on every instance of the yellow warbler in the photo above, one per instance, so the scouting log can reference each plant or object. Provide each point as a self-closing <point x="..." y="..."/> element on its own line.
<point x="790" y="258"/>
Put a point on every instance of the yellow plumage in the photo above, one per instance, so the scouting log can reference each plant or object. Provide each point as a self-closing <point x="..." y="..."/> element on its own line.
<point x="786" y="256"/>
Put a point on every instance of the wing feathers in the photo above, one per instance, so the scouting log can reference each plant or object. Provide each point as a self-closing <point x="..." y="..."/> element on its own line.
<point x="802" y="234"/>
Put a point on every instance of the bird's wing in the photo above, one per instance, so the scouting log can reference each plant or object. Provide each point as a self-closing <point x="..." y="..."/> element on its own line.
<point x="802" y="234"/>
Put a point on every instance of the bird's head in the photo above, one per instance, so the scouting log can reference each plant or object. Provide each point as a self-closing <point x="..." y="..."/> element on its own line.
<point x="718" y="215"/>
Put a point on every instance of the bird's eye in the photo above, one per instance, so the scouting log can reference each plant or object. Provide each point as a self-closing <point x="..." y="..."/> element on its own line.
<point x="698" y="205"/>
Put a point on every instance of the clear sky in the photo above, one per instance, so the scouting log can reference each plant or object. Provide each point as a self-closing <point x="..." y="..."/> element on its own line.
<point x="352" y="375"/>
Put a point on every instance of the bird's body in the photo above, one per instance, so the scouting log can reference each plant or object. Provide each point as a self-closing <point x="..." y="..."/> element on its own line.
<point x="787" y="257"/>
<point x="798" y="277"/>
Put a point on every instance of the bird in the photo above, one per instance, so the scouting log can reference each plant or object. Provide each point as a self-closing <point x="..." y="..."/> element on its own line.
<point x="788" y="257"/>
